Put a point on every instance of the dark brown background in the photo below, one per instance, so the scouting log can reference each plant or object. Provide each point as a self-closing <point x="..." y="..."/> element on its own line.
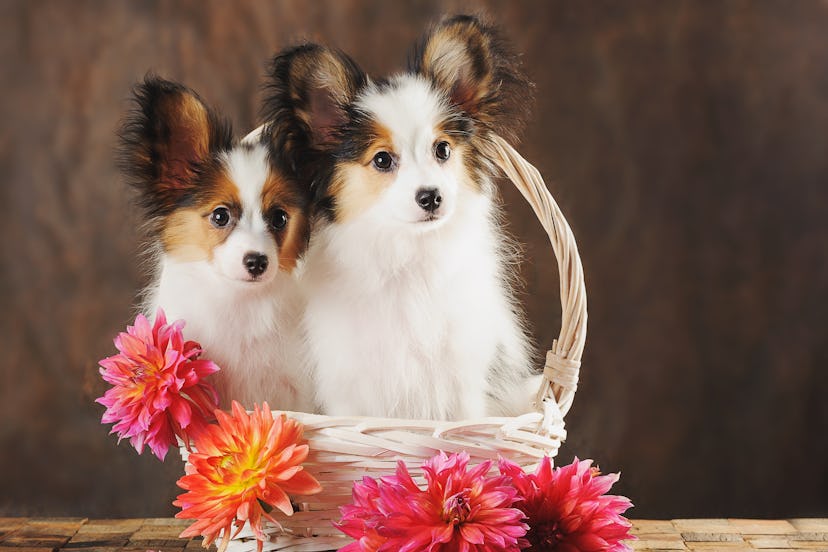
<point x="687" y="143"/>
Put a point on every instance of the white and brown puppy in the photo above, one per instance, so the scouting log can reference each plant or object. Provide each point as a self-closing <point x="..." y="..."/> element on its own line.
<point x="226" y="227"/>
<point x="411" y="311"/>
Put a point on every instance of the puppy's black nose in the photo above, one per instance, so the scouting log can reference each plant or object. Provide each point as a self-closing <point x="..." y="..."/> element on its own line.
<point x="429" y="199"/>
<point x="256" y="263"/>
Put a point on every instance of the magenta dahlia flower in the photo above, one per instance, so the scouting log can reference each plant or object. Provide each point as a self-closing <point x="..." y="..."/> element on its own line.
<point x="461" y="509"/>
<point x="157" y="391"/>
<point x="567" y="508"/>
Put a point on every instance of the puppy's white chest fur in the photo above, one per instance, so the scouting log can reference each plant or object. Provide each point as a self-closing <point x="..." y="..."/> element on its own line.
<point x="407" y="325"/>
<point x="250" y="330"/>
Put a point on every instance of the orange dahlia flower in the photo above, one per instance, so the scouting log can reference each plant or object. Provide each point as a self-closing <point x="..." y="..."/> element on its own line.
<point x="247" y="460"/>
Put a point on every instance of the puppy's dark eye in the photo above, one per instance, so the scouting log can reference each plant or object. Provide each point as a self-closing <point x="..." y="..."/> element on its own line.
<point x="442" y="151"/>
<point x="220" y="217"/>
<point x="382" y="161"/>
<point x="278" y="219"/>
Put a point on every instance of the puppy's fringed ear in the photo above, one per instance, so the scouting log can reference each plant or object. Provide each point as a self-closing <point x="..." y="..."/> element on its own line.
<point x="165" y="141"/>
<point x="309" y="89"/>
<point x="477" y="70"/>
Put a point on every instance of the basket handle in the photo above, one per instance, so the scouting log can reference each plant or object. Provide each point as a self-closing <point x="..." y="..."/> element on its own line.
<point x="563" y="361"/>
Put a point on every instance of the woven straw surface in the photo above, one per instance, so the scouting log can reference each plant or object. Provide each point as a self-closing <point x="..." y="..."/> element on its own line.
<point x="345" y="449"/>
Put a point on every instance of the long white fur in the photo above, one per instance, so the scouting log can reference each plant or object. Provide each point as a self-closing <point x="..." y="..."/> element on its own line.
<point x="249" y="328"/>
<point x="407" y="319"/>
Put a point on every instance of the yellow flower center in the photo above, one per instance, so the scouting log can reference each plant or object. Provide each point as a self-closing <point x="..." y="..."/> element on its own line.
<point x="242" y="469"/>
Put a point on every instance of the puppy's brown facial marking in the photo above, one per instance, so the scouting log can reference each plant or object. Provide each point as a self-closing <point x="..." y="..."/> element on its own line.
<point x="365" y="172"/>
<point x="189" y="237"/>
<point x="354" y="188"/>
<point x="285" y="211"/>
<point x="294" y="239"/>
<point x="192" y="234"/>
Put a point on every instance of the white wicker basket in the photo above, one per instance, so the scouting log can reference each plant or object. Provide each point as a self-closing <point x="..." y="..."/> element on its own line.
<point x="344" y="449"/>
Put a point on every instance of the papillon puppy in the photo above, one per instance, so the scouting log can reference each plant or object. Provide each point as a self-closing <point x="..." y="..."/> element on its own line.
<point x="410" y="308"/>
<point x="227" y="226"/>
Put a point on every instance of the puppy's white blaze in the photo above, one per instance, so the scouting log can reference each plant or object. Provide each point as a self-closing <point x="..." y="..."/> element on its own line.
<point x="248" y="170"/>
<point x="408" y="107"/>
<point x="404" y="322"/>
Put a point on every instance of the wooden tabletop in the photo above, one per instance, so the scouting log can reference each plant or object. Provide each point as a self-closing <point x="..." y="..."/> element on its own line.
<point x="113" y="535"/>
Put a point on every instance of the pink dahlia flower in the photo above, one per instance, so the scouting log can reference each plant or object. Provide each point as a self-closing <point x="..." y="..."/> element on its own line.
<point x="567" y="508"/>
<point x="157" y="391"/>
<point x="461" y="509"/>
